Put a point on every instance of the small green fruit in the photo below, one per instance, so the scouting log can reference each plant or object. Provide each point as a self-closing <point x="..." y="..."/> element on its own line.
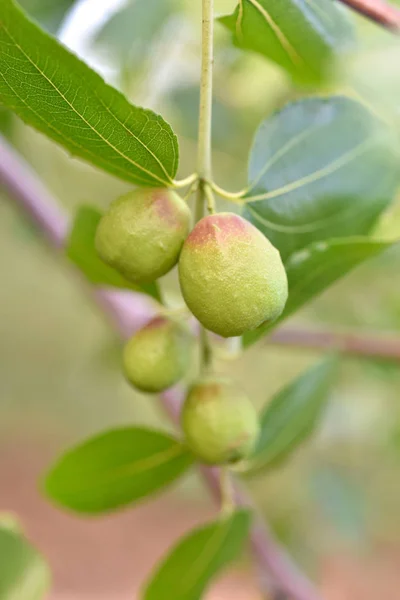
<point x="219" y="421"/>
<point x="232" y="278"/>
<point x="158" y="355"/>
<point x="142" y="233"/>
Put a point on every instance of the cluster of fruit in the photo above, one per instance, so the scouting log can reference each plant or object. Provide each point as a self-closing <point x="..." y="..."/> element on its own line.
<point x="232" y="280"/>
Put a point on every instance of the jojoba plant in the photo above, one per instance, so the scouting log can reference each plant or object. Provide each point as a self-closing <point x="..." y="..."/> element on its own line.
<point x="302" y="220"/>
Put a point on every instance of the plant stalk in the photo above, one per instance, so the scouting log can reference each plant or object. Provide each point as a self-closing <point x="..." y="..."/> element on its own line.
<point x="383" y="13"/>
<point x="206" y="90"/>
<point x="204" y="140"/>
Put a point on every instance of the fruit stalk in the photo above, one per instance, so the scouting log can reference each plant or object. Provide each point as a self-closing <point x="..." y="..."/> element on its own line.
<point x="204" y="138"/>
<point x="206" y="83"/>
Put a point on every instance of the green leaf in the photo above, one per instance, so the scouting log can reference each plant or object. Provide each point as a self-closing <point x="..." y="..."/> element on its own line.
<point x="116" y="468"/>
<point x="24" y="574"/>
<point x="320" y="168"/>
<point x="315" y="268"/>
<point x="6" y="122"/>
<point x="196" y="559"/>
<point x="82" y="252"/>
<point x="302" y="36"/>
<point x="52" y="90"/>
<point x="49" y="13"/>
<point x="340" y="500"/>
<point x="292" y="416"/>
<point x="131" y="31"/>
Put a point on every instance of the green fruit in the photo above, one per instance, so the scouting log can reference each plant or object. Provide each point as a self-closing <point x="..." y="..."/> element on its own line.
<point x="158" y="355"/>
<point x="219" y="421"/>
<point x="232" y="278"/>
<point x="142" y="233"/>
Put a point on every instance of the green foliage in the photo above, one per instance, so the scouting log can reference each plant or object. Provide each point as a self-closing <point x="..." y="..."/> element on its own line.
<point x="314" y="269"/>
<point x="6" y="122"/>
<point x="340" y="500"/>
<point x="81" y="251"/>
<point x="197" y="558"/>
<point x="320" y="168"/>
<point x="52" y="90"/>
<point x="24" y="575"/>
<point x="132" y="31"/>
<point x="116" y="468"/>
<point x="291" y="416"/>
<point x="300" y="36"/>
<point x="49" y="13"/>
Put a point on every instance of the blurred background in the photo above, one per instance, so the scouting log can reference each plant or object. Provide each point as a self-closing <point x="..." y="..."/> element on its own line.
<point x="335" y="504"/>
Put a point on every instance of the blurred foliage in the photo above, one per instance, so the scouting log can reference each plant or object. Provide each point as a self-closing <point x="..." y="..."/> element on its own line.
<point x="49" y="13"/>
<point x="59" y="358"/>
<point x="23" y="571"/>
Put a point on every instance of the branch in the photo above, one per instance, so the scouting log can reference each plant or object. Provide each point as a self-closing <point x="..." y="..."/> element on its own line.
<point x="377" y="10"/>
<point x="129" y="311"/>
<point x="355" y="344"/>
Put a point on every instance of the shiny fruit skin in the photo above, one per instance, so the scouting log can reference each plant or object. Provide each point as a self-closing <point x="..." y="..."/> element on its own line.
<point x="158" y="355"/>
<point x="142" y="233"/>
<point x="219" y="422"/>
<point x="232" y="278"/>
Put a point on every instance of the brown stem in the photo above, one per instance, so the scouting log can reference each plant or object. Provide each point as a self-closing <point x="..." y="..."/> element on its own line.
<point x="128" y="311"/>
<point x="356" y="344"/>
<point x="379" y="11"/>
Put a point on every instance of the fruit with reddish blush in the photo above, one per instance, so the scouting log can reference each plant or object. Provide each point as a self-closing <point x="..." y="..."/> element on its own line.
<point x="158" y="355"/>
<point x="142" y="233"/>
<point x="232" y="278"/>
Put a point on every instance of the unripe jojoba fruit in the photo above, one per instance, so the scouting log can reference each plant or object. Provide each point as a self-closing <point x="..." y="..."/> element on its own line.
<point x="232" y="278"/>
<point x="219" y="421"/>
<point x="158" y="355"/>
<point x="142" y="233"/>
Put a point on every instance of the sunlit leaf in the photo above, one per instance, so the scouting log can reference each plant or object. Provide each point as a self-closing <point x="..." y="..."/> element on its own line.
<point x="292" y="416"/>
<point x="197" y="558"/>
<point x="320" y="168"/>
<point x="24" y="575"/>
<point x="116" y="468"/>
<point x="81" y="251"/>
<point x="314" y="269"/>
<point x="302" y="36"/>
<point x="52" y="90"/>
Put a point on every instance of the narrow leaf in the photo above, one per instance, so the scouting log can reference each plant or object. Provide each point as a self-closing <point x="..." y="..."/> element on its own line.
<point x="302" y="36"/>
<point x="292" y="416"/>
<point x="116" y="468"/>
<point x="82" y="252"/>
<point x="320" y="168"/>
<point x="52" y="90"/>
<point x="196" y="559"/>
<point x="24" y="574"/>
<point x="314" y="269"/>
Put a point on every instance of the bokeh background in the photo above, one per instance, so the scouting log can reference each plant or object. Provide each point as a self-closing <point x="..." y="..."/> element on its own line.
<point x="335" y="504"/>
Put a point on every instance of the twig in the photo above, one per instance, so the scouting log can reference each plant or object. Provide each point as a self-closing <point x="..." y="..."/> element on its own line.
<point x="379" y="11"/>
<point x="129" y="311"/>
<point x="355" y="344"/>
